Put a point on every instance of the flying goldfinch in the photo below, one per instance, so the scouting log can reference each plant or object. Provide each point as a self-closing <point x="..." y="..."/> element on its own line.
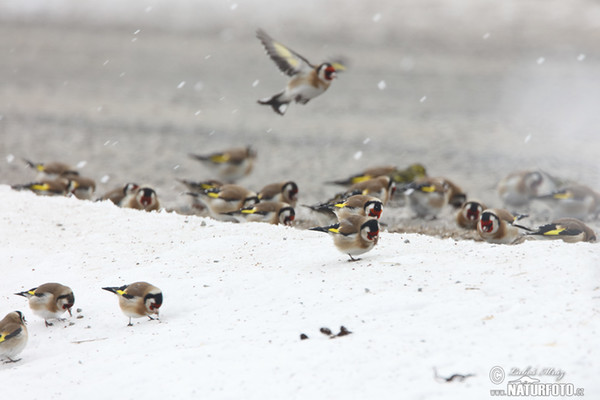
<point x="307" y="80"/>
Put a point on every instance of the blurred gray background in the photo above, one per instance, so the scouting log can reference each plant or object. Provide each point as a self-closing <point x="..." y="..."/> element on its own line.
<point x="473" y="89"/>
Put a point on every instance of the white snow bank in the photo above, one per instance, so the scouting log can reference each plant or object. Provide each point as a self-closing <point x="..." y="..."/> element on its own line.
<point x="238" y="296"/>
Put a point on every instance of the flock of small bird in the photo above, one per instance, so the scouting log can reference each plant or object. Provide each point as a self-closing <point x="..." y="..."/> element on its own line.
<point x="353" y="214"/>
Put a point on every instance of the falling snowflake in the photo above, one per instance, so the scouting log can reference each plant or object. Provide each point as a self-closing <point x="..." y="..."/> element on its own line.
<point x="105" y="179"/>
<point x="541" y="60"/>
<point x="181" y="84"/>
<point x="255" y="83"/>
<point x="377" y="17"/>
<point x="358" y="155"/>
<point x="381" y="85"/>
<point x="422" y="100"/>
<point x="581" y="57"/>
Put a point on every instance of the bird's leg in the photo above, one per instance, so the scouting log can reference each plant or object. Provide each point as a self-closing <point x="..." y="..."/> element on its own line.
<point x="129" y="324"/>
<point x="47" y="323"/>
<point x="10" y="360"/>
<point x="352" y="259"/>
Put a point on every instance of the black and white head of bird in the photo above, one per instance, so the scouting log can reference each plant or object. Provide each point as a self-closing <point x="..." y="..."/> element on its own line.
<point x="326" y="72"/>
<point x="146" y="196"/>
<point x="290" y="192"/>
<point x="369" y="231"/>
<point x="489" y="222"/>
<point x="153" y="301"/>
<point x="373" y="208"/>
<point x="287" y="216"/>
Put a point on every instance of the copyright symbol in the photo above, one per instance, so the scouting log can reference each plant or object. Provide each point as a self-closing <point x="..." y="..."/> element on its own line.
<point x="497" y="375"/>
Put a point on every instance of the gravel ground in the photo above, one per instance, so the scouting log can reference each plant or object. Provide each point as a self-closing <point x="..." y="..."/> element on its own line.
<point x="472" y="91"/>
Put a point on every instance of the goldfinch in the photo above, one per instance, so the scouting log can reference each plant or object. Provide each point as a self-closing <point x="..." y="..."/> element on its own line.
<point x="286" y="192"/>
<point x="403" y="176"/>
<point x="50" y="300"/>
<point x="353" y="235"/>
<point x="118" y="194"/>
<point x="498" y="226"/>
<point x="307" y="80"/>
<point x="229" y="165"/>
<point x="576" y="201"/>
<point x="226" y="199"/>
<point x="13" y="336"/>
<point x="144" y="198"/>
<point x="381" y="187"/>
<point x="85" y="187"/>
<point x="518" y="188"/>
<point x="54" y="168"/>
<point x="456" y="196"/>
<point x="427" y="196"/>
<point x="272" y="212"/>
<point x="139" y="299"/>
<point x="468" y="215"/>
<point x="570" y="230"/>
<point x="359" y="204"/>
<point x="50" y="187"/>
<point x="201" y="186"/>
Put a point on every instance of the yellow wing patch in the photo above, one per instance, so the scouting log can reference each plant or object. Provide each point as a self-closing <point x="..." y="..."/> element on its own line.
<point x="40" y="187"/>
<point x="334" y="230"/>
<point x="358" y="179"/>
<point x="31" y="292"/>
<point x="40" y="167"/>
<point x="563" y="196"/>
<point x="214" y="195"/>
<point x="2" y="337"/>
<point x="340" y="205"/>
<point x="248" y="211"/>
<point x="284" y="52"/>
<point x="120" y="292"/>
<point x="220" y="158"/>
<point x="428" y="189"/>
<point x="554" y="232"/>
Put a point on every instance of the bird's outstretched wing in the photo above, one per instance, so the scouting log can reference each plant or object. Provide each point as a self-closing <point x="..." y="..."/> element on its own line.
<point x="288" y="61"/>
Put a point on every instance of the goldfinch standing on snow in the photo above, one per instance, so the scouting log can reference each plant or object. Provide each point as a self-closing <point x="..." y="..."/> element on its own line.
<point x="50" y="300"/>
<point x="118" y="194"/>
<point x="468" y="216"/>
<point x="427" y="196"/>
<point x="353" y="235"/>
<point x="286" y="192"/>
<point x="307" y="80"/>
<point x="382" y="187"/>
<point x="226" y="199"/>
<point x="140" y="299"/>
<point x="229" y="165"/>
<point x="272" y="212"/>
<point x="404" y="176"/>
<point x="50" y="187"/>
<point x="13" y="335"/>
<point x="570" y="230"/>
<point x="518" y="188"/>
<point x="576" y="201"/>
<point x="144" y="198"/>
<point x="498" y="226"/>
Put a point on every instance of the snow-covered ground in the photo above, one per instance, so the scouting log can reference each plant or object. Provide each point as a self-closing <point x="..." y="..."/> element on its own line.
<point x="237" y="297"/>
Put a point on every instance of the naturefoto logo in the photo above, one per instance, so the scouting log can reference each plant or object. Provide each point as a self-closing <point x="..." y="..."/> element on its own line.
<point x="526" y="383"/>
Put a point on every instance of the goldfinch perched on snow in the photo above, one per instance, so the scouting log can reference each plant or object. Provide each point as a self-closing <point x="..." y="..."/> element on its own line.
<point x="570" y="230"/>
<point x="381" y="187"/>
<point x="50" y="300"/>
<point x="286" y="192"/>
<point x="427" y="196"/>
<point x="468" y="216"/>
<point x="54" y="168"/>
<point x="13" y="335"/>
<point x="50" y="187"/>
<point x="577" y="201"/>
<point x="229" y="165"/>
<point x="407" y="175"/>
<point x="353" y="235"/>
<point x="518" y="188"/>
<point x="118" y="194"/>
<point x="140" y="299"/>
<point x="226" y="199"/>
<point x="272" y="212"/>
<point x="498" y="226"/>
<point x="307" y="80"/>
<point x="144" y="198"/>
